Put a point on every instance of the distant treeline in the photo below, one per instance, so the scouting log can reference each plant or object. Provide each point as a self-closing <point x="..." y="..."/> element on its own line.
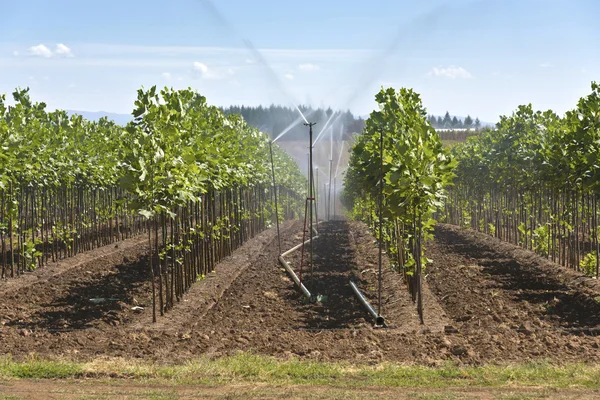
<point x="459" y="135"/>
<point x="275" y="119"/>
<point x="449" y="122"/>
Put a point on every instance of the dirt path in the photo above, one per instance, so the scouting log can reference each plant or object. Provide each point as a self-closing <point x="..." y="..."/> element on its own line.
<point x="115" y="389"/>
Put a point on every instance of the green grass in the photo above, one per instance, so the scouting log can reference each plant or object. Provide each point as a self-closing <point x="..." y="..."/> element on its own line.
<point x="39" y="368"/>
<point x="248" y="368"/>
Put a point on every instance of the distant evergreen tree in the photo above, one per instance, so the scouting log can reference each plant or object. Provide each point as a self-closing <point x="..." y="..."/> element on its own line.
<point x="440" y="123"/>
<point x="447" y="121"/>
<point x="477" y="124"/>
<point x="468" y="122"/>
<point x="455" y="123"/>
<point x="275" y="119"/>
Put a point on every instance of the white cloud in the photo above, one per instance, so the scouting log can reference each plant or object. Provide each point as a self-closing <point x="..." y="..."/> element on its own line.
<point x="308" y="67"/>
<point x="289" y="77"/>
<point x="166" y="76"/>
<point x="201" y="70"/>
<point x="40" y="51"/>
<point x="63" y="50"/>
<point x="545" y="65"/>
<point x="451" y="72"/>
<point x="71" y="85"/>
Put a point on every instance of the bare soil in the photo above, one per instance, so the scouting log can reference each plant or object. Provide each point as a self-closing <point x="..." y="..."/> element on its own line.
<point x="88" y="389"/>
<point x="485" y="301"/>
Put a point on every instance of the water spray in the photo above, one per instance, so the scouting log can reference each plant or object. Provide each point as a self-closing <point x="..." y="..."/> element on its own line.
<point x="255" y="52"/>
<point x="291" y="126"/>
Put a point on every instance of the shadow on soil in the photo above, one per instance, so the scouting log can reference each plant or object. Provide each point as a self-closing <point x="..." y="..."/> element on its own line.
<point x="528" y="283"/>
<point x="112" y="293"/>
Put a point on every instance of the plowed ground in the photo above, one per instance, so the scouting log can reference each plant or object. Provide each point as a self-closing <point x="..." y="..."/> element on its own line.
<point x="485" y="301"/>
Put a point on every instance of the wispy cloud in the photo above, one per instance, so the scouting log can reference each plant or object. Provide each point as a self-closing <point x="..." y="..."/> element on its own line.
<point x="202" y="71"/>
<point x="309" y="67"/>
<point x="166" y="76"/>
<point x="545" y="65"/>
<point x="63" y="50"/>
<point x="451" y="72"/>
<point x="289" y="77"/>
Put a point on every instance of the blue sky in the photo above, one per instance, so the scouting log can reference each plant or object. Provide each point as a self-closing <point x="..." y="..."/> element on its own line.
<point x="482" y="57"/>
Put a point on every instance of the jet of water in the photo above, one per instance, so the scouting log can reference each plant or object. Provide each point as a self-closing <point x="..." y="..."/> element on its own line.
<point x="340" y="158"/>
<point x="255" y="52"/>
<point x="324" y="127"/>
<point x="421" y="26"/>
<point x="291" y="126"/>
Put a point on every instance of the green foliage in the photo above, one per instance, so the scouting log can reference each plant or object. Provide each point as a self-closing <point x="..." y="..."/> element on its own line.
<point x="534" y="177"/>
<point x="177" y="149"/>
<point x="541" y="235"/>
<point x="416" y="168"/>
<point x="588" y="264"/>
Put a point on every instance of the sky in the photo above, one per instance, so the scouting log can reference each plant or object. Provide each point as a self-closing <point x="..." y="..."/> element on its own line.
<point x="476" y="57"/>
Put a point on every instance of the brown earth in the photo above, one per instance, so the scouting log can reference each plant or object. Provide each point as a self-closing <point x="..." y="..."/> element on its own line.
<point x="485" y="301"/>
<point x="115" y="389"/>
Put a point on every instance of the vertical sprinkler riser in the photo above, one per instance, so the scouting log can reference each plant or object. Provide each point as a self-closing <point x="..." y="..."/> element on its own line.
<point x="380" y="215"/>
<point x="310" y="196"/>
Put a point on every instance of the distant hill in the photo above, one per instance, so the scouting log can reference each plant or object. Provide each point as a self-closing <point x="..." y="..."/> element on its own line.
<point x="121" y="119"/>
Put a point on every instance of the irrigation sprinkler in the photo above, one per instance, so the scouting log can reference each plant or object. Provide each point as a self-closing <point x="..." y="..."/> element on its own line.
<point x="325" y="203"/>
<point x="310" y="195"/>
<point x="334" y="213"/>
<point x="316" y="191"/>
<point x="380" y="201"/>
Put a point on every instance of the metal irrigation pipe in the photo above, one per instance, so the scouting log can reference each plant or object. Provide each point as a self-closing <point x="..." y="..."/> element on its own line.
<point x="379" y="320"/>
<point x="293" y="249"/>
<point x="294" y="277"/>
